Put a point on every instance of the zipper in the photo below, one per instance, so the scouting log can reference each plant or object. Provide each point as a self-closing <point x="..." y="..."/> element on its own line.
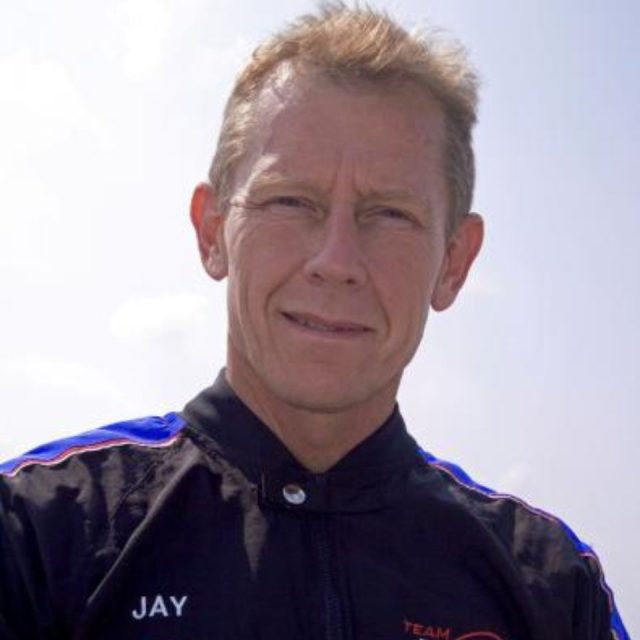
<point x="332" y="605"/>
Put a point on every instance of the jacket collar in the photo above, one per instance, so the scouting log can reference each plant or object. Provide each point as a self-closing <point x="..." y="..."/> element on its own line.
<point x="366" y="478"/>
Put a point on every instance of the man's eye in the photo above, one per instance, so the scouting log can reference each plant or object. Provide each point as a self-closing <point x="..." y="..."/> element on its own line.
<point x="287" y="201"/>
<point x="391" y="213"/>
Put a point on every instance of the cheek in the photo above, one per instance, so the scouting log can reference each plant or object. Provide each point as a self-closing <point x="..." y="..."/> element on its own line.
<point x="408" y="270"/>
<point x="261" y="242"/>
<point x="262" y="255"/>
<point x="405" y="279"/>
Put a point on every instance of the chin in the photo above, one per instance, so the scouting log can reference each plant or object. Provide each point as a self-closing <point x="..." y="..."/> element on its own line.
<point x="324" y="393"/>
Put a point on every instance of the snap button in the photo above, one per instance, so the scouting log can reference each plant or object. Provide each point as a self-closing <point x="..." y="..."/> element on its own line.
<point x="294" y="494"/>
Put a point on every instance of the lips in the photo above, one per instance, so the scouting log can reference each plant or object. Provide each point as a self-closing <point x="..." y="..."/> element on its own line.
<point x="325" y="325"/>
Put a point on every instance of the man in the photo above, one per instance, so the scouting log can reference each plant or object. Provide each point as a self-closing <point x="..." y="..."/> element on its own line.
<point x="287" y="501"/>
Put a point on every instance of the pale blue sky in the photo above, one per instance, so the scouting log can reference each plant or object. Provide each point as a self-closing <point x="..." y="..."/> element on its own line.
<point x="109" y="112"/>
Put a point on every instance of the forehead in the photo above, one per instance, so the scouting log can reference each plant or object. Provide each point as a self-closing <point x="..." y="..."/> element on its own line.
<point x="308" y="128"/>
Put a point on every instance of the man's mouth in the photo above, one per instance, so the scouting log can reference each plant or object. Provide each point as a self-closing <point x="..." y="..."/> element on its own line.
<point x="324" y="325"/>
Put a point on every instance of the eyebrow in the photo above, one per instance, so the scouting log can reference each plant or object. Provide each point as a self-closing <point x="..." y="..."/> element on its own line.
<point x="275" y="179"/>
<point x="394" y="195"/>
<point x="270" y="179"/>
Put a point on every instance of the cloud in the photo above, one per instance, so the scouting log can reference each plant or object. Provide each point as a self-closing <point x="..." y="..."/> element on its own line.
<point x="50" y="398"/>
<point x="145" y="26"/>
<point x="151" y="318"/>
<point x="41" y="107"/>
<point x="57" y="375"/>
<point x="221" y="61"/>
<point x="45" y="126"/>
<point x="23" y="246"/>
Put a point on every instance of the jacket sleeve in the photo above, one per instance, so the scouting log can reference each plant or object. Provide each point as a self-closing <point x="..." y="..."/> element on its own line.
<point x="596" y="615"/>
<point x="15" y="613"/>
<point x="24" y="612"/>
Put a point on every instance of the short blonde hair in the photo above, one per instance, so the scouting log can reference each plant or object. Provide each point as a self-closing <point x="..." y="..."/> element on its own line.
<point x="360" y="45"/>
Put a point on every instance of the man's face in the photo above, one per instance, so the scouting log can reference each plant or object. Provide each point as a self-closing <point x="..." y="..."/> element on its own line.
<point x="334" y="243"/>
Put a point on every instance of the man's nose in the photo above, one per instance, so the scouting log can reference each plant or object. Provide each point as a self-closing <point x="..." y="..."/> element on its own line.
<point x="338" y="256"/>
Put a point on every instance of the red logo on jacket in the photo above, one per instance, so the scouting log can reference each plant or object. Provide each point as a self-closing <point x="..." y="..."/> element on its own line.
<point x="433" y="632"/>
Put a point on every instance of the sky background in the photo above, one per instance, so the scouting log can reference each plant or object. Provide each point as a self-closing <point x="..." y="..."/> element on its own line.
<point x="109" y="112"/>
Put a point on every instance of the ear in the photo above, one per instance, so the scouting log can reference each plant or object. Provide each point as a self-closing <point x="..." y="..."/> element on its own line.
<point x="208" y="222"/>
<point x="462" y="248"/>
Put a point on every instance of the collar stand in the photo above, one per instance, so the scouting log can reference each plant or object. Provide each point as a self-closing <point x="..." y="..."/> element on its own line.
<point x="365" y="478"/>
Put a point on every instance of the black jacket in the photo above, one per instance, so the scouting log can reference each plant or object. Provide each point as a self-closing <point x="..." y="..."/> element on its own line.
<point x="202" y="526"/>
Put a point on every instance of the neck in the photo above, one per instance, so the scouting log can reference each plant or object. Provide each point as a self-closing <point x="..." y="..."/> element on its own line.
<point x="318" y="439"/>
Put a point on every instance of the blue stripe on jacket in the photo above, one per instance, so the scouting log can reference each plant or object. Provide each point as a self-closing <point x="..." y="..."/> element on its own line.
<point x="153" y="431"/>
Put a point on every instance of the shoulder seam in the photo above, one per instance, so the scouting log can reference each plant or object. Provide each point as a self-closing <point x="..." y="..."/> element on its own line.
<point x="463" y="480"/>
<point x="583" y="550"/>
<point x="29" y="460"/>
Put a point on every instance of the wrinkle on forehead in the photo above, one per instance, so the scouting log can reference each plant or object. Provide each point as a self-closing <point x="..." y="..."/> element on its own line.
<point x="297" y="152"/>
<point x="290" y="83"/>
